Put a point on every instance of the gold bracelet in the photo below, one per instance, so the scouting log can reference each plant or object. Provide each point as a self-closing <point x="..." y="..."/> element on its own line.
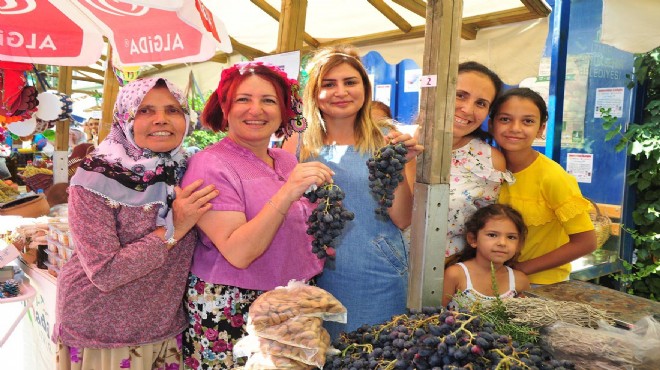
<point x="270" y="201"/>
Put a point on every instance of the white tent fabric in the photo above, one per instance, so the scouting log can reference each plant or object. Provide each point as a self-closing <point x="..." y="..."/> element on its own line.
<point x="631" y="25"/>
<point x="514" y="51"/>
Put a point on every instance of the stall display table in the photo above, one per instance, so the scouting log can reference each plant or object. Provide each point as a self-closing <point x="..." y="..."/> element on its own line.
<point x="27" y="294"/>
<point x="42" y="315"/>
<point x="626" y="309"/>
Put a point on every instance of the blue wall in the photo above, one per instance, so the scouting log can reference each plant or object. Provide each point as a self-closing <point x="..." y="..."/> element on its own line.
<point x="404" y="105"/>
<point x="608" y="68"/>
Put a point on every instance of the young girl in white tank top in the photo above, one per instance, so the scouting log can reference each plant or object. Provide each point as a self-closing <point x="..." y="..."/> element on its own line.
<point x="494" y="236"/>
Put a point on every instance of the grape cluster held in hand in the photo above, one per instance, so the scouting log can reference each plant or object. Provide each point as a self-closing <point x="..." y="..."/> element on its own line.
<point x="328" y="219"/>
<point x="385" y="169"/>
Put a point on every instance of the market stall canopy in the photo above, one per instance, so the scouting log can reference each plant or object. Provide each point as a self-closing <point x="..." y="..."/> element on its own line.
<point x="492" y="31"/>
<point x="71" y="32"/>
<point x="631" y="26"/>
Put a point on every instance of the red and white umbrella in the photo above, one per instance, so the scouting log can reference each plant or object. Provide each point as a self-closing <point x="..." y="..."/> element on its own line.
<point x="70" y="32"/>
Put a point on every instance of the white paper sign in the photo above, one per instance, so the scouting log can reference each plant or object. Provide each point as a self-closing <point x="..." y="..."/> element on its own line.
<point x="609" y="97"/>
<point x="7" y="255"/>
<point x="411" y="80"/>
<point x="383" y="93"/>
<point x="288" y="62"/>
<point x="428" y="81"/>
<point x="581" y="166"/>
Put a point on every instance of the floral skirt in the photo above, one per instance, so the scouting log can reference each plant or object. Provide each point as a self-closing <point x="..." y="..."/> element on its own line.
<point x="216" y="316"/>
<point x="165" y="355"/>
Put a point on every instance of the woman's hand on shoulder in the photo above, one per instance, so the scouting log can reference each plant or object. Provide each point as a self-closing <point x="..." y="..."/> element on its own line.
<point x="499" y="162"/>
<point x="305" y="175"/>
<point x="413" y="146"/>
<point x="522" y="281"/>
<point x="190" y="204"/>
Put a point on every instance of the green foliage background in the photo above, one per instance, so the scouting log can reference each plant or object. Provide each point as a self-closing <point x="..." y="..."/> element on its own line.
<point x="642" y="141"/>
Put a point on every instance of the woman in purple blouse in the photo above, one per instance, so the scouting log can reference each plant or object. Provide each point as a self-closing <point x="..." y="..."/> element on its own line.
<point x="254" y="237"/>
<point x="119" y="298"/>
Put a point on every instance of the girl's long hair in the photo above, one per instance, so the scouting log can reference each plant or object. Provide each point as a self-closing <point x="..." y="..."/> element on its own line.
<point x="368" y="134"/>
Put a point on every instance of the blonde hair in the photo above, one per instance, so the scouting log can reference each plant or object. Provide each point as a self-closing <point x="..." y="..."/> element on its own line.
<point x="368" y="134"/>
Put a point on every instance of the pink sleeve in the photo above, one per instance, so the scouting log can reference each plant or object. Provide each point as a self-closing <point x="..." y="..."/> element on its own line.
<point x="106" y="262"/>
<point x="215" y="170"/>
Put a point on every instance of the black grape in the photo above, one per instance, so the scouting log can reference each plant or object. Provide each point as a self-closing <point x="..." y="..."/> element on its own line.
<point x="328" y="218"/>
<point x="385" y="174"/>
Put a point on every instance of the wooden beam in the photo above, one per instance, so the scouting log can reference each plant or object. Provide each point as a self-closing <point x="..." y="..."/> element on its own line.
<point x="469" y="31"/>
<point x="431" y="193"/>
<point x="95" y="71"/>
<point x="499" y="18"/>
<point x="538" y="7"/>
<point x="87" y="79"/>
<point x="275" y="14"/>
<point x="292" y="25"/>
<point x="377" y="38"/>
<point x="219" y="58"/>
<point x="110" y="91"/>
<point x="246" y="51"/>
<point x="64" y="80"/>
<point x="416" y="6"/>
<point x="390" y="14"/>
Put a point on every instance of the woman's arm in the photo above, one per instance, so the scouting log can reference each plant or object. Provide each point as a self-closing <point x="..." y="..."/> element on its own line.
<point x="579" y="244"/>
<point x="401" y="210"/>
<point x="522" y="282"/>
<point x="499" y="162"/>
<point x="241" y="241"/>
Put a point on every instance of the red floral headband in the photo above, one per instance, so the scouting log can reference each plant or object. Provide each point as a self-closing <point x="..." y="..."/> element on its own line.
<point x="297" y="123"/>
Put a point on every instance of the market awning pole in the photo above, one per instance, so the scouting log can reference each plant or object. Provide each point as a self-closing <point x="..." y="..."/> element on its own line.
<point x="431" y="192"/>
<point x="110" y="90"/>
<point x="292" y="25"/>
<point x="60" y="156"/>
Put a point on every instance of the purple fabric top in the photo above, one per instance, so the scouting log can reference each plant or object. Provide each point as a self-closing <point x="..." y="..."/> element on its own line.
<point x="246" y="183"/>
<point x="122" y="286"/>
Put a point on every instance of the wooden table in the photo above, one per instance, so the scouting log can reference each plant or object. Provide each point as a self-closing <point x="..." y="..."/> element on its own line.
<point x="625" y="308"/>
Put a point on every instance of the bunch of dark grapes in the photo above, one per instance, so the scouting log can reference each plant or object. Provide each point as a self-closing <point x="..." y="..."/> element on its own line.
<point x="327" y="220"/>
<point x="385" y="169"/>
<point x="437" y="339"/>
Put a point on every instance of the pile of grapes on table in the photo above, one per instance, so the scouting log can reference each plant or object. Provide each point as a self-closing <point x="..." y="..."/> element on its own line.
<point x="385" y="169"/>
<point x="436" y="339"/>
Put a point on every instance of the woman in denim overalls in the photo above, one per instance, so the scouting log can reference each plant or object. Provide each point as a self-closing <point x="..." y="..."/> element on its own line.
<point x="370" y="272"/>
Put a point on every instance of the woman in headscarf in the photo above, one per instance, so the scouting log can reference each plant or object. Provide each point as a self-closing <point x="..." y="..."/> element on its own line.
<point x="119" y="298"/>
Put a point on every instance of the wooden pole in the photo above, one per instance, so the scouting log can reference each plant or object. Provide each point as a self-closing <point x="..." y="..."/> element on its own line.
<point x="110" y="90"/>
<point x="60" y="155"/>
<point x="292" y="25"/>
<point x="431" y="192"/>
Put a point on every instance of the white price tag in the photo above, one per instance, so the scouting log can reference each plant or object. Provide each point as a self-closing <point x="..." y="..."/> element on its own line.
<point x="428" y="81"/>
<point x="7" y="255"/>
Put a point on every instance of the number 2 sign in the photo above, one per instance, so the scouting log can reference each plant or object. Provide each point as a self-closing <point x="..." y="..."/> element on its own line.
<point x="428" y="81"/>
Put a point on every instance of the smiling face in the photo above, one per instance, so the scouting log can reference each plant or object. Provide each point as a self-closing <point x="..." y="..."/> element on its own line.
<point x="254" y="114"/>
<point x="475" y="93"/>
<point x="497" y="241"/>
<point x="160" y="122"/>
<point x="516" y="124"/>
<point x="341" y="94"/>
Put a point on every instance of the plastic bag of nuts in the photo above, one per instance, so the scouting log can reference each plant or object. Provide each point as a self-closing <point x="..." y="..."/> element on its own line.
<point x="261" y="361"/>
<point x="252" y="344"/>
<point x="299" y="331"/>
<point x="296" y="299"/>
